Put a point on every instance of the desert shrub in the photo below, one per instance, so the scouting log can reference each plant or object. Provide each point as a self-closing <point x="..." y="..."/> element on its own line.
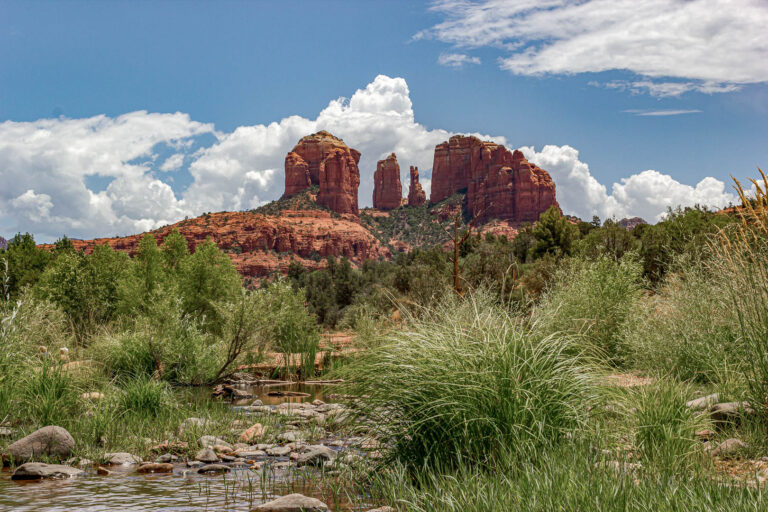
<point x="665" y="427"/>
<point x="465" y="382"/>
<point x="592" y="299"/>
<point x="688" y="329"/>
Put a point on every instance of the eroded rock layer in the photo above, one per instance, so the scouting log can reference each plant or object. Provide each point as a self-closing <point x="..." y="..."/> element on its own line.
<point x="261" y="244"/>
<point x="416" y="195"/>
<point x="498" y="183"/>
<point x="324" y="160"/>
<point x="387" y="189"/>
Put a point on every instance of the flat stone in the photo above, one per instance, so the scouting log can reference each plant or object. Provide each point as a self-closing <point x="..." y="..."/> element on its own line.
<point x="728" y="447"/>
<point x="705" y="402"/>
<point x="278" y="451"/>
<point x="195" y="423"/>
<point x="253" y="433"/>
<point x="382" y="509"/>
<point x="251" y="454"/>
<point x="38" y="471"/>
<point x="194" y="463"/>
<point x="121" y="459"/>
<point x="155" y="467"/>
<point x="50" y="441"/>
<point x="92" y="395"/>
<point x="294" y="503"/>
<point x="214" y="468"/>
<point x="206" y="455"/>
<point x="165" y="458"/>
<point x="316" y="456"/>
<point x="103" y="471"/>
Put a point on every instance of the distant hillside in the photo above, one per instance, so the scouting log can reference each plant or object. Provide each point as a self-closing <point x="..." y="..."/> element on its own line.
<point x="3" y="243"/>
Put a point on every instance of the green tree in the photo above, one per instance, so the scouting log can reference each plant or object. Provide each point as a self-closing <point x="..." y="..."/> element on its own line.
<point x="206" y="277"/>
<point x="554" y="234"/>
<point x="174" y="249"/>
<point x="26" y="263"/>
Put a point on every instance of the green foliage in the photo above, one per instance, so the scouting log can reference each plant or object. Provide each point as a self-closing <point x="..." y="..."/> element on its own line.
<point x="665" y="427"/>
<point x="48" y="395"/>
<point x="143" y="396"/>
<point x="592" y="299"/>
<point x="688" y="328"/>
<point x="554" y="234"/>
<point x="25" y="262"/>
<point x="174" y="249"/>
<point x="466" y="383"/>
<point x="85" y="288"/>
<point x="205" y="278"/>
<point x="612" y="240"/>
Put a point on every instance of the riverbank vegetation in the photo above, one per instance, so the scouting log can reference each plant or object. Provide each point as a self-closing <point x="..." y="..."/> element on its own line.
<point x="565" y="375"/>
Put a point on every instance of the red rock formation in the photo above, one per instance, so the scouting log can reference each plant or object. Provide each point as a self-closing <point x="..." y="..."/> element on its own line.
<point x="296" y="174"/>
<point x="260" y="244"/>
<point x="339" y="180"/>
<point x="387" y="189"/>
<point x="416" y="195"/>
<point x="499" y="184"/>
<point x="322" y="159"/>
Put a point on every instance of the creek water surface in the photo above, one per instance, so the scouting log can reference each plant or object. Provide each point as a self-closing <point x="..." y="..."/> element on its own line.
<point x="183" y="490"/>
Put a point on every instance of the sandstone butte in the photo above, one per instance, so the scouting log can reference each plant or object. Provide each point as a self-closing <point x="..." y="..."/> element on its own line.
<point x="499" y="183"/>
<point x="416" y="195"/>
<point x="259" y="244"/>
<point x="324" y="160"/>
<point x="387" y="189"/>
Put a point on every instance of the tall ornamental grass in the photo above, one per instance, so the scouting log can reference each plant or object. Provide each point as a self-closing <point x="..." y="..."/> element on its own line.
<point x="743" y="259"/>
<point x="465" y="382"/>
<point x="592" y="299"/>
<point x="688" y="329"/>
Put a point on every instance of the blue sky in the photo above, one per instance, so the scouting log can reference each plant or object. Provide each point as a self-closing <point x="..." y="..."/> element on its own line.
<point x="211" y="77"/>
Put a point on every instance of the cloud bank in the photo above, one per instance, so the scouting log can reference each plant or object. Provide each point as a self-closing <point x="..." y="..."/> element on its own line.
<point x="711" y="45"/>
<point x="48" y="167"/>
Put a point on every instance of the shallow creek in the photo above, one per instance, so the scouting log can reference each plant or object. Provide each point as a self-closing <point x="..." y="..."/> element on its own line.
<point x="183" y="490"/>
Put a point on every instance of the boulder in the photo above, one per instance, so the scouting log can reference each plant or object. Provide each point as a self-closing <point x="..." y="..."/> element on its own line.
<point x="49" y="441"/>
<point x="316" y="456"/>
<point x="416" y="195"/>
<point x="294" y="503"/>
<point x="38" y="471"/>
<point x="387" y="189"/>
<point x="278" y="451"/>
<point x="206" y="455"/>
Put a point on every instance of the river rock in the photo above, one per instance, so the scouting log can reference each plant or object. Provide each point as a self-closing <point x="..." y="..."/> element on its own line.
<point x="728" y="447"/>
<point x="155" y="467"/>
<point x="214" y="468"/>
<point x="294" y="503"/>
<point x="92" y="395"/>
<point x="253" y="433"/>
<point x="382" y="509"/>
<point x="705" y="402"/>
<point x="38" y="471"/>
<point x="48" y="441"/>
<point x="211" y="441"/>
<point x="121" y="459"/>
<point x="316" y="456"/>
<point x="207" y="455"/>
<point x="278" y="451"/>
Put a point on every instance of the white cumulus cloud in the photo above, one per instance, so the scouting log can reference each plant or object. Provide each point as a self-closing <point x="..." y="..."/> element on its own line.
<point x="47" y="167"/>
<point x="647" y="194"/>
<point x="712" y="45"/>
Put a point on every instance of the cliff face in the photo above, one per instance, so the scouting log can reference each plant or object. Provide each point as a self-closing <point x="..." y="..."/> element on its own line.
<point x="387" y="189"/>
<point x="322" y="159"/>
<point x="499" y="184"/>
<point x="260" y="244"/>
<point x="416" y="195"/>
